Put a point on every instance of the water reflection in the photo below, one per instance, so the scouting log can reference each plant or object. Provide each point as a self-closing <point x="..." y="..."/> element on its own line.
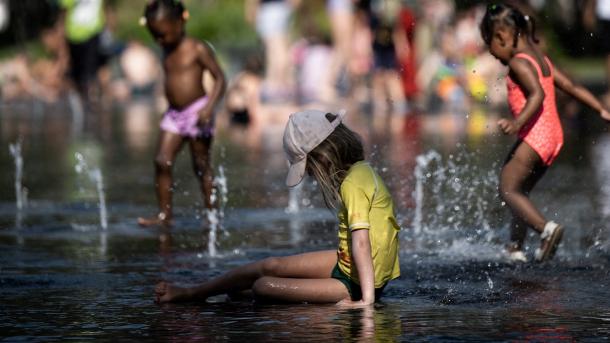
<point x="261" y="323"/>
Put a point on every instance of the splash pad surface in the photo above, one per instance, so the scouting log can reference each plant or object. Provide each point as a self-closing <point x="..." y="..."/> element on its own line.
<point x="63" y="276"/>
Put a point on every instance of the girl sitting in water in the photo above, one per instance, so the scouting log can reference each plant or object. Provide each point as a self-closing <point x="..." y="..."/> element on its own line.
<point x="532" y="78"/>
<point x="320" y="144"/>
<point x="190" y="115"/>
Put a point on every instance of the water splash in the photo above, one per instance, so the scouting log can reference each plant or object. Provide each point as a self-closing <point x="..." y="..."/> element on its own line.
<point x="294" y="194"/>
<point x="95" y="175"/>
<point x="214" y="222"/>
<point x="21" y="193"/>
<point x="422" y="165"/>
<point x="455" y="200"/>
<point x="490" y="283"/>
<point x="215" y="216"/>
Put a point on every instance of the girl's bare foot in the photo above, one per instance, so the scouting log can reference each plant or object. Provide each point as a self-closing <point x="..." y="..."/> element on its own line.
<point x="166" y="292"/>
<point x="161" y="219"/>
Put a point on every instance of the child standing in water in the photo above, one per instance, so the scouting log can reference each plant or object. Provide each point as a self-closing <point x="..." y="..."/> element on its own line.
<point x="190" y="116"/>
<point x="356" y="273"/>
<point x="531" y="82"/>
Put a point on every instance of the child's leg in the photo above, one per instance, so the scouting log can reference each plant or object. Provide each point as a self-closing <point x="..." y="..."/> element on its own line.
<point x="519" y="175"/>
<point x="275" y="277"/>
<point x="169" y="145"/>
<point x="396" y="92"/>
<point x="518" y="232"/>
<point x="200" y="154"/>
<point x="519" y="226"/>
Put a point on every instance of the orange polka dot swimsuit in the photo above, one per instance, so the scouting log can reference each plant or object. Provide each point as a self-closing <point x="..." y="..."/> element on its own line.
<point x="543" y="132"/>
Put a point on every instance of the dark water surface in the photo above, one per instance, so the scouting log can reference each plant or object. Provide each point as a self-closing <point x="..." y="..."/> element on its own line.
<point x="62" y="277"/>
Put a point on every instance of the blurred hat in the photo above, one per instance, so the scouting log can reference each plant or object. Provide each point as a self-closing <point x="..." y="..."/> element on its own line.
<point x="304" y="131"/>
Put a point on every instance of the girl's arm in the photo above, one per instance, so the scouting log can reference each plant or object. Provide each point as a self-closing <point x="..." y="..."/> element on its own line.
<point x="208" y="61"/>
<point x="527" y="77"/>
<point x="579" y="92"/>
<point x="361" y="253"/>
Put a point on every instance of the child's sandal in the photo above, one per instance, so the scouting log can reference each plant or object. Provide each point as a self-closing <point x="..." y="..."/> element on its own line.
<point x="551" y="237"/>
<point x="514" y="253"/>
<point x="517" y="256"/>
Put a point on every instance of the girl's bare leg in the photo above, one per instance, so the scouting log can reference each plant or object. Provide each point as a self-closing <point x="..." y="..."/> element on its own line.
<point x="519" y="226"/>
<point x="518" y="232"/>
<point x="200" y="154"/>
<point x="519" y="175"/>
<point x="321" y="291"/>
<point x="289" y="278"/>
<point x="169" y="145"/>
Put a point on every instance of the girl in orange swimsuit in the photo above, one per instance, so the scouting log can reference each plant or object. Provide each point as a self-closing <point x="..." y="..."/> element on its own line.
<point x="510" y="37"/>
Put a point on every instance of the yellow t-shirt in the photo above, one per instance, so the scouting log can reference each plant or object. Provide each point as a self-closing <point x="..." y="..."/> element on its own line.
<point x="368" y="205"/>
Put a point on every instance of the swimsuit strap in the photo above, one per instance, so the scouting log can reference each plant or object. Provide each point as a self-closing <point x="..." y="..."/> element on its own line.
<point x="536" y="65"/>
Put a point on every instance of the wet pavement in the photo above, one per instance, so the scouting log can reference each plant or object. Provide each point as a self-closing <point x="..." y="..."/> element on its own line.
<point x="64" y="277"/>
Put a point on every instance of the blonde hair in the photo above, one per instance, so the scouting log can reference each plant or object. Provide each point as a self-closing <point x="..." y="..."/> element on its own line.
<point x="329" y="162"/>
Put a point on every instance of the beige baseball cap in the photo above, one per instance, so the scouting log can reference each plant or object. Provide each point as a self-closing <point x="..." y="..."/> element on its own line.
<point x="304" y="131"/>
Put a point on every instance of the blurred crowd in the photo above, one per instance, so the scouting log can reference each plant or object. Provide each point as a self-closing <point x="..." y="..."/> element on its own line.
<point x="390" y="57"/>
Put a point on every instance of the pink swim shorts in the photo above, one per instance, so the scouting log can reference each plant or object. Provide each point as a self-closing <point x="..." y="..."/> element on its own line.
<point x="185" y="122"/>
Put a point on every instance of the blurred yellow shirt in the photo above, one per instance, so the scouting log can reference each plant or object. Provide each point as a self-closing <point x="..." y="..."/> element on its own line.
<point x="367" y="205"/>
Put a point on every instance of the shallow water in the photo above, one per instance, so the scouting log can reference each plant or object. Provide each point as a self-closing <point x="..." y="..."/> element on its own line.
<point x="63" y="277"/>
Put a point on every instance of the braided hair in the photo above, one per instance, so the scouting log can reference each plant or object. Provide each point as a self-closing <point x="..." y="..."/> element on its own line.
<point x="170" y="9"/>
<point x="509" y="16"/>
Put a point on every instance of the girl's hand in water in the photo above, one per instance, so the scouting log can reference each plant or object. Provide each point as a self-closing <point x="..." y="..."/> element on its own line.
<point x="508" y="127"/>
<point x="349" y="303"/>
<point x="605" y="114"/>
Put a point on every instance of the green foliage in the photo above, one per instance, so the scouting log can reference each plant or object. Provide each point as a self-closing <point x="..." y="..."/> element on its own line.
<point x="220" y="22"/>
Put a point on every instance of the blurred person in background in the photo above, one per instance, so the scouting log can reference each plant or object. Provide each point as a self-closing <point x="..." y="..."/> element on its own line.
<point x="341" y="17"/>
<point x="314" y="57"/>
<point x="242" y="99"/>
<point x="271" y="19"/>
<point x="83" y="21"/>
<point x="140" y="70"/>
<point x="597" y="18"/>
<point x="361" y="55"/>
<point x="388" y="93"/>
<point x="406" y="49"/>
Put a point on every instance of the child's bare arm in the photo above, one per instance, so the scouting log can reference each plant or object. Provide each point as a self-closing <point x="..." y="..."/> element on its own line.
<point x="579" y="92"/>
<point x="208" y="60"/>
<point x="361" y="247"/>
<point x="525" y="74"/>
